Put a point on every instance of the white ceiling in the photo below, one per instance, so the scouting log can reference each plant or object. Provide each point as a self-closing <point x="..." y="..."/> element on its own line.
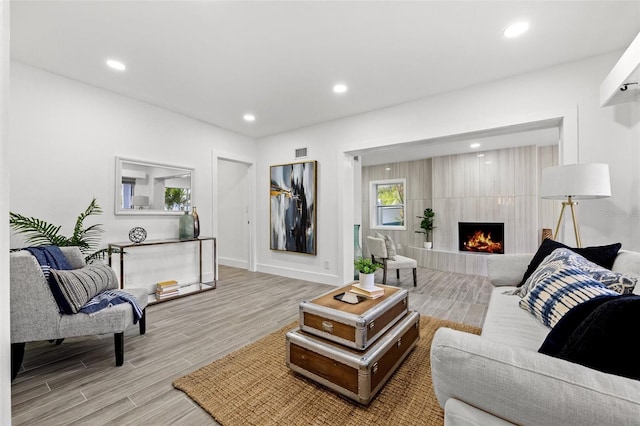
<point x="215" y="60"/>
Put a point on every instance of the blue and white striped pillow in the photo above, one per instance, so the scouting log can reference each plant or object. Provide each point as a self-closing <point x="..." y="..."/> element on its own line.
<point x="555" y="294"/>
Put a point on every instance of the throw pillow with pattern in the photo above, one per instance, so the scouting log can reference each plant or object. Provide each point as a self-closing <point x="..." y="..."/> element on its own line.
<point x="558" y="292"/>
<point x="390" y="245"/>
<point x="562" y="258"/>
<point x="602" y="255"/>
<point x="73" y="288"/>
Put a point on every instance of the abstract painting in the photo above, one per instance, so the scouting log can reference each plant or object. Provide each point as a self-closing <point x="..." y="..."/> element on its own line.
<point x="293" y="207"/>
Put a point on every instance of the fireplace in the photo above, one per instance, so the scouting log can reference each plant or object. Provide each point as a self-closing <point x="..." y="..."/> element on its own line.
<point x="481" y="237"/>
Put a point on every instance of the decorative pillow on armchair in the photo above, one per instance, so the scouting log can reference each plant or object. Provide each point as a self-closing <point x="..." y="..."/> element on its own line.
<point x="73" y="288"/>
<point x="389" y="244"/>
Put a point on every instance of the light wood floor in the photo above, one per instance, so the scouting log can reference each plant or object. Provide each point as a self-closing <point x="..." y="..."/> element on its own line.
<point x="78" y="383"/>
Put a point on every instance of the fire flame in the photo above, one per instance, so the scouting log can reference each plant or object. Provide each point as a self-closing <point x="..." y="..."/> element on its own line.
<point x="481" y="242"/>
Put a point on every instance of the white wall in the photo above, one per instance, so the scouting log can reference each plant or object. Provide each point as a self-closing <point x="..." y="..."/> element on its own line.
<point x="604" y="134"/>
<point x="5" y="333"/>
<point x="64" y="138"/>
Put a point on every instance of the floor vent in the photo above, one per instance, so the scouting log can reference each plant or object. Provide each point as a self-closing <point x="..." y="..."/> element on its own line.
<point x="301" y="152"/>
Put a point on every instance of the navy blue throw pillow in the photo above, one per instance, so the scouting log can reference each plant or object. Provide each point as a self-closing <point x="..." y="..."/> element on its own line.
<point x="600" y="255"/>
<point x="559" y="334"/>
<point x="604" y="340"/>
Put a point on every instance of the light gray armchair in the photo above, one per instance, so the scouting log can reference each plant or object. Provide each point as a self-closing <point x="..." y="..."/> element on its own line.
<point x="378" y="250"/>
<point x="35" y="315"/>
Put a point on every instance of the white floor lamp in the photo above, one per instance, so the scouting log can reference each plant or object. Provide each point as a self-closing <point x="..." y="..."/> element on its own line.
<point x="574" y="182"/>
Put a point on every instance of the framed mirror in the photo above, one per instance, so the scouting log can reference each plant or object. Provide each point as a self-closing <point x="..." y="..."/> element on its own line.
<point x="144" y="188"/>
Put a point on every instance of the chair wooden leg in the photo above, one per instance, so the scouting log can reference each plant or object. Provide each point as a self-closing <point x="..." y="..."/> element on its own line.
<point x="17" y="355"/>
<point x="384" y="275"/>
<point x="398" y="274"/>
<point x="118" y="340"/>
<point x="415" y="278"/>
<point x="143" y="321"/>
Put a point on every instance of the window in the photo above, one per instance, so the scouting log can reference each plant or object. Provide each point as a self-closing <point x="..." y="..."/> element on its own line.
<point x="128" y="187"/>
<point x="387" y="204"/>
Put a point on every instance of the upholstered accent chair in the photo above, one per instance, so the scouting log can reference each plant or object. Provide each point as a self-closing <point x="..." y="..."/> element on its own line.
<point x="378" y="250"/>
<point x="36" y="316"/>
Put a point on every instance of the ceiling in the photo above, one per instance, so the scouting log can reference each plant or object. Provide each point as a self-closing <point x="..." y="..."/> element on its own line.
<point x="215" y="60"/>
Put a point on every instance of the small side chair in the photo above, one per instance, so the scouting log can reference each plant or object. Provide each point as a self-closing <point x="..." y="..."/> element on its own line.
<point x="378" y="251"/>
<point x="35" y="315"/>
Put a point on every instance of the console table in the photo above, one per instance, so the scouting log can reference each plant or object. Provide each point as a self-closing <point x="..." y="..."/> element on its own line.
<point x="185" y="290"/>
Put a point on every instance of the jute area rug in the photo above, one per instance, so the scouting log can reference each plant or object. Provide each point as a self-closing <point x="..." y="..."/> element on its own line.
<point x="253" y="386"/>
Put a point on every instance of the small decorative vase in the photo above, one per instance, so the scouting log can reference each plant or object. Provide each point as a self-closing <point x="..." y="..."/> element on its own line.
<point x="366" y="280"/>
<point x="428" y="245"/>
<point x="357" y="250"/>
<point x="186" y="226"/>
<point x="196" y="223"/>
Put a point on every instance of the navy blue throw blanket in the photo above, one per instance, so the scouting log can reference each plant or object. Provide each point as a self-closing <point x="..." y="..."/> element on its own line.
<point x="111" y="298"/>
<point x="49" y="257"/>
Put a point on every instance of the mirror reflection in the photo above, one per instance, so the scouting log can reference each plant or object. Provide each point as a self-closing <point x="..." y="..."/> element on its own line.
<point x="151" y="188"/>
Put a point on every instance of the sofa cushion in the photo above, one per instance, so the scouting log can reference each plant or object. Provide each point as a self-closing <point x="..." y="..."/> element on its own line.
<point x="506" y="323"/>
<point x="604" y="339"/>
<point x="73" y="288"/>
<point x="555" y="293"/>
<point x="601" y="255"/>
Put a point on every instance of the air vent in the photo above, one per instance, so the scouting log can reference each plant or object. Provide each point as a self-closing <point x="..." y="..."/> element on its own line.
<point x="301" y="152"/>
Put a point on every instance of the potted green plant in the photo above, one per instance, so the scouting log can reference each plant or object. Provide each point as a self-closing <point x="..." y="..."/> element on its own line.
<point x="367" y="268"/>
<point x="37" y="232"/>
<point x="426" y="226"/>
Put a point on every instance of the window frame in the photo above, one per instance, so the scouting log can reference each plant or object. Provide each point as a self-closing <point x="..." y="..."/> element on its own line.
<point x="373" y="204"/>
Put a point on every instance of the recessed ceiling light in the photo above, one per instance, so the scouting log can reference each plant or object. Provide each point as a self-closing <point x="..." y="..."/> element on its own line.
<point x="249" y="117"/>
<point x="480" y="155"/>
<point x="388" y="169"/>
<point x="488" y="162"/>
<point x="514" y="30"/>
<point x="340" y="88"/>
<point x="116" y="65"/>
<point x="475" y="145"/>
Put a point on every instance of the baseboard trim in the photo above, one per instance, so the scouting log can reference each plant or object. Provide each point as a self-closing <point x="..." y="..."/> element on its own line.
<point x="235" y="263"/>
<point x="298" y="274"/>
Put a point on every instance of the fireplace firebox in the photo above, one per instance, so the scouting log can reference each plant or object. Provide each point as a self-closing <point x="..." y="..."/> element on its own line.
<point x="481" y="237"/>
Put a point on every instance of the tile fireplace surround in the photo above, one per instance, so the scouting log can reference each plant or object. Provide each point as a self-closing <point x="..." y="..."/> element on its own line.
<point x="501" y="186"/>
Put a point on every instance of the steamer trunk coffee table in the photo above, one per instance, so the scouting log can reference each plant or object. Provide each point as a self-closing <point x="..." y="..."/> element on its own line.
<point x="353" y="349"/>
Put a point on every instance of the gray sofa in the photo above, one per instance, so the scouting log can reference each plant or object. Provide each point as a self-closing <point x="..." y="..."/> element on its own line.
<point x="35" y="315"/>
<point x="499" y="378"/>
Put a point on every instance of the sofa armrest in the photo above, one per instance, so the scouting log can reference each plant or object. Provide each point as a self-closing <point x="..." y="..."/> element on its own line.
<point x="34" y="311"/>
<point x="524" y="387"/>
<point x="507" y="269"/>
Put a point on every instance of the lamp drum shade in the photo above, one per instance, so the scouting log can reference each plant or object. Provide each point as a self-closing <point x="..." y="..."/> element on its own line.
<point x="578" y="181"/>
<point x="140" y="200"/>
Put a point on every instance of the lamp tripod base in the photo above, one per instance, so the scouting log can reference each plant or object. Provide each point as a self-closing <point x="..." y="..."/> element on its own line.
<point x="576" y="229"/>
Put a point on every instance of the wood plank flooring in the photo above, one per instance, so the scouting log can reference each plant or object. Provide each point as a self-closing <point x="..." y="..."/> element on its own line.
<point x="77" y="382"/>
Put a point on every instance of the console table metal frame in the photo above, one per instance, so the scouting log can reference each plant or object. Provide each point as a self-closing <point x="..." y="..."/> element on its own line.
<point x="211" y="285"/>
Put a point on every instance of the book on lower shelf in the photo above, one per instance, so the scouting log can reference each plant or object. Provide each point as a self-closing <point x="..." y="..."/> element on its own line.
<point x="167" y="288"/>
<point x="162" y="295"/>
<point x="371" y="293"/>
